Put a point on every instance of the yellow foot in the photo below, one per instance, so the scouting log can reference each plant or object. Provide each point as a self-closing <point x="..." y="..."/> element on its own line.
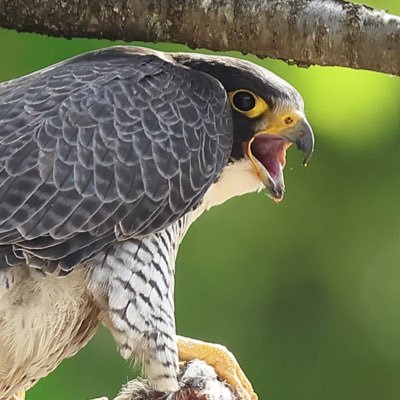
<point x="223" y="361"/>
<point x="19" y="396"/>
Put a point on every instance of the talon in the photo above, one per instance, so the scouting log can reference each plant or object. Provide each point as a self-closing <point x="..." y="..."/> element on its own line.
<point x="19" y="396"/>
<point x="223" y="361"/>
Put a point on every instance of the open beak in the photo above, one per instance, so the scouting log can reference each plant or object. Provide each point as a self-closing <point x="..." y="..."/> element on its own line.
<point x="267" y="151"/>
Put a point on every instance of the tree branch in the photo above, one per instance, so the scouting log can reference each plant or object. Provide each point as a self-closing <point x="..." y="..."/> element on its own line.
<point x="305" y="32"/>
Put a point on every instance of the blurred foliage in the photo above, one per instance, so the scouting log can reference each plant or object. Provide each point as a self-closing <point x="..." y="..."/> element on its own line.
<point x="305" y="293"/>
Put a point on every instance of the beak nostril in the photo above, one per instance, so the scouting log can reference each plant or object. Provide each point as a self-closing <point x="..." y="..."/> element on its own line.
<point x="288" y="120"/>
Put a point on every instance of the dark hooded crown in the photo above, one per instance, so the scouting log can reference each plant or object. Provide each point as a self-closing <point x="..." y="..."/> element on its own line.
<point x="235" y="74"/>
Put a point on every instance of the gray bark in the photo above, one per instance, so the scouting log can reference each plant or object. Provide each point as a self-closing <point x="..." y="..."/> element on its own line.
<point x="305" y="32"/>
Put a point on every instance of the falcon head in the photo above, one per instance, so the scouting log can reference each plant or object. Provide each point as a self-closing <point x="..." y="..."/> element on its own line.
<point x="268" y="117"/>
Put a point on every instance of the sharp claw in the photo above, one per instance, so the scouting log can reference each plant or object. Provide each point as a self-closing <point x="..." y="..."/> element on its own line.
<point x="19" y="396"/>
<point x="223" y="361"/>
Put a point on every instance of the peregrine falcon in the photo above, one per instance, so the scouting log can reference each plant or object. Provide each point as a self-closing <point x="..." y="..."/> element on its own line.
<point x="106" y="159"/>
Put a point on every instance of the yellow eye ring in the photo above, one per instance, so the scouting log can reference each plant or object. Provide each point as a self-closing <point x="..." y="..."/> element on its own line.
<point x="247" y="103"/>
<point x="243" y="101"/>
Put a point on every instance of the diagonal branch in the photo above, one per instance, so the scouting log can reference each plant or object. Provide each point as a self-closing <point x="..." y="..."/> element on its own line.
<point x="305" y="32"/>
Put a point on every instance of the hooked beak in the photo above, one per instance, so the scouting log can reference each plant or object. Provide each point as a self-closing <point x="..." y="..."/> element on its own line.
<point x="302" y="136"/>
<point x="267" y="151"/>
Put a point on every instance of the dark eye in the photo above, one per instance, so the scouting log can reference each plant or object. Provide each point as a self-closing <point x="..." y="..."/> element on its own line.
<point x="244" y="101"/>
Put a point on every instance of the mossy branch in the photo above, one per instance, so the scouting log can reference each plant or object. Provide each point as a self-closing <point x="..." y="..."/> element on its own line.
<point x="304" y="32"/>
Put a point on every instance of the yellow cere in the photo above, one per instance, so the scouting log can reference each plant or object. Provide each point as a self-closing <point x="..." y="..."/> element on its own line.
<point x="285" y="119"/>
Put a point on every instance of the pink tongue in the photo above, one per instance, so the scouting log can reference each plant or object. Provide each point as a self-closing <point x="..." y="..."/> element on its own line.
<point x="270" y="151"/>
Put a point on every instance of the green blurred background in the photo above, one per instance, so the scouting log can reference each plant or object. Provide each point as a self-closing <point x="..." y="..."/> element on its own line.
<point x="305" y="293"/>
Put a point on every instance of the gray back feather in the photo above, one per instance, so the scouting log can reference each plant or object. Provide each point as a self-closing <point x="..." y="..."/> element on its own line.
<point x="117" y="143"/>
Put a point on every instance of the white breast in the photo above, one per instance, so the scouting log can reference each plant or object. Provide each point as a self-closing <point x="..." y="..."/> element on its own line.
<point x="237" y="178"/>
